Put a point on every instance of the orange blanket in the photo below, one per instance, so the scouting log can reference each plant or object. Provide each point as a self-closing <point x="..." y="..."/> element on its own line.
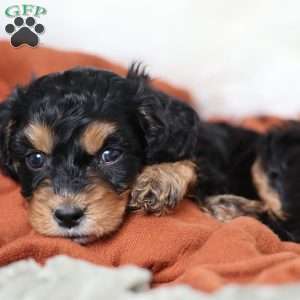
<point x="185" y="247"/>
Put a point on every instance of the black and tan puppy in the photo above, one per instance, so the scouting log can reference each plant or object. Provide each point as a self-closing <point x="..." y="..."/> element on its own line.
<point x="275" y="166"/>
<point x="275" y="174"/>
<point x="82" y="142"/>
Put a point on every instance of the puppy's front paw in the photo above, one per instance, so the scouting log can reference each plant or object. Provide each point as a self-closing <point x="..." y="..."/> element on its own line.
<point x="159" y="188"/>
<point x="152" y="194"/>
<point x="228" y="207"/>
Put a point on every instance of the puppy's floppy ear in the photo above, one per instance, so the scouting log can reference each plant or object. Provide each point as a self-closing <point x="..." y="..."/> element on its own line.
<point x="150" y="110"/>
<point x="6" y="124"/>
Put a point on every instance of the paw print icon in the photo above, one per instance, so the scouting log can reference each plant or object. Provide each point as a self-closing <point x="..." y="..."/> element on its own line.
<point x="24" y="32"/>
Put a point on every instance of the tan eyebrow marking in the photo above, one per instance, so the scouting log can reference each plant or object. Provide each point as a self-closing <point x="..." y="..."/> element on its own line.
<point x="40" y="136"/>
<point x="94" y="135"/>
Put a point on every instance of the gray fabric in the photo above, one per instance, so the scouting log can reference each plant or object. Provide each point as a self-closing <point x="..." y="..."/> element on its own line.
<point x="66" y="278"/>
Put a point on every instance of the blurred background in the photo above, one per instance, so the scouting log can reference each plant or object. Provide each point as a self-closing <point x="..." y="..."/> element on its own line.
<point x="236" y="57"/>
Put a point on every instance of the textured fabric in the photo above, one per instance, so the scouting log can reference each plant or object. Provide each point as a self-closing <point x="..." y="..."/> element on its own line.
<point x="184" y="247"/>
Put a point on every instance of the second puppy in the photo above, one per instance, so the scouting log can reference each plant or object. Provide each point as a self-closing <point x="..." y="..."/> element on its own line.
<point x="274" y="168"/>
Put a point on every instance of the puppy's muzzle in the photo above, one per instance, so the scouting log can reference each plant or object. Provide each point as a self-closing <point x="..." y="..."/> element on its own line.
<point x="68" y="216"/>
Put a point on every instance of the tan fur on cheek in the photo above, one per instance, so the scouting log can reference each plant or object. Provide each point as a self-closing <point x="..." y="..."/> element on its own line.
<point x="94" y="136"/>
<point x="105" y="210"/>
<point x="267" y="194"/>
<point x="40" y="136"/>
<point x="41" y="207"/>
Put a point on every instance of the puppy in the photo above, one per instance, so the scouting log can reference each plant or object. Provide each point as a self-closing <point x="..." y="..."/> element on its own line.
<point x="83" y="142"/>
<point x="274" y="173"/>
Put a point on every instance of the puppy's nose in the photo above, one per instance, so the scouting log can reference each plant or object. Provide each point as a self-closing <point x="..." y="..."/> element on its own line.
<point x="68" y="216"/>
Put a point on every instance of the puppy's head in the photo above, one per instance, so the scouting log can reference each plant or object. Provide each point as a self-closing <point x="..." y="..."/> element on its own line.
<point x="75" y="141"/>
<point x="276" y="172"/>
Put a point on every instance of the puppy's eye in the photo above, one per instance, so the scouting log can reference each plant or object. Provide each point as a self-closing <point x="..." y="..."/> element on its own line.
<point x="109" y="156"/>
<point x="35" y="160"/>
